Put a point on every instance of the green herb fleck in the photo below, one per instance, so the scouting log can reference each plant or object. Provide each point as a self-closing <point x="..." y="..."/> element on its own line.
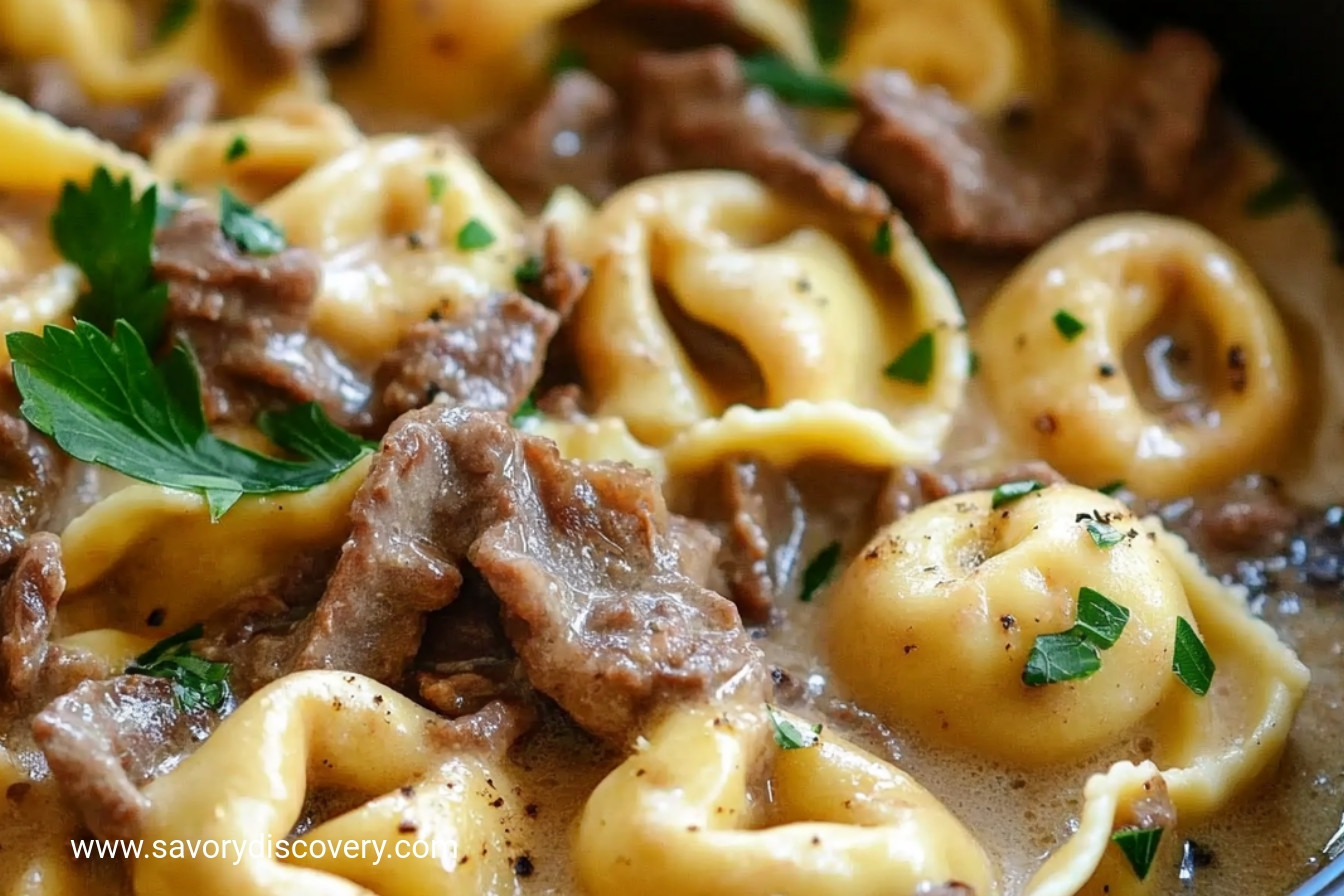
<point x="1012" y="491"/>
<point x="1099" y="619"/>
<point x="1066" y="656"/>
<point x="528" y="273"/>
<point x="829" y="20"/>
<point x="176" y="14"/>
<point x="437" y="182"/>
<point x="1139" y="846"/>
<point x="788" y="735"/>
<point x="237" y="148"/>
<point x="1190" y="659"/>
<point x="1111" y="488"/>
<point x="105" y="401"/>
<point x="1104" y="535"/>
<point x="197" y="683"/>
<point x="820" y="570"/>
<point x="1068" y="326"/>
<point x="474" y="235"/>
<point x="526" y="413"/>
<point x="249" y="231"/>
<point x="972" y="363"/>
<point x="797" y="88"/>
<point x="915" y="364"/>
<point x="882" y="239"/>
<point x="1275" y="196"/>
<point x="567" y="59"/>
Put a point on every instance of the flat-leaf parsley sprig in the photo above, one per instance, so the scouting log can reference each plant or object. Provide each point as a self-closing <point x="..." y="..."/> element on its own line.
<point x="197" y="683"/>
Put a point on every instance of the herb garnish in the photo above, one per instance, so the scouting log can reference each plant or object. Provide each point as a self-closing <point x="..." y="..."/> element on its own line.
<point x="1012" y="491"/>
<point x="1190" y="659"/>
<point x="788" y="735"/>
<point x="527" y="273"/>
<point x="1139" y="846"/>
<point x="249" y="231"/>
<point x="915" y="364"/>
<point x="197" y="683"/>
<point x="797" y="88"/>
<point x="176" y="14"/>
<point x="1275" y="196"/>
<point x="972" y="363"/>
<point x="1068" y="326"/>
<point x="829" y="20"/>
<point x="1104" y="535"/>
<point x="527" y="411"/>
<point x="820" y="570"/>
<point x="882" y="239"/>
<point x="474" y="235"/>
<point x="109" y="236"/>
<point x="105" y="401"/>
<point x="237" y="148"/>
<point x="437" y="182"/>
<point x="1099" y="619"/>
<point x="1076" y="653"/>
<point x="1111" y="488"/>
<point x="567" y="59"/>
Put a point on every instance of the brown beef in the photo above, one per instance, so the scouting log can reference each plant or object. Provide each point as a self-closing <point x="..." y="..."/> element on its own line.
<point x="563" y="279"/>
<point x="488" y="355"/>
<point x="466" y="660"/>
<point x="951" y="173"/>
<point x="246" y="318"/>
<point x="277" y="35"/>
<point x="566" y="139"/>
<point x="1251" y="517"/>
<point x="695" y="110"/>
<point x="909" y="488"/>
<point x="27" y="611"/>
<point x="32" y="476"/>
<point x="105" y="739"/>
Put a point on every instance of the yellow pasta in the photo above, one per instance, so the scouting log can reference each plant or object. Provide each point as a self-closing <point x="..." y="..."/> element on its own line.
<point x="606" y="438"/>
<point x="815" y="320"/>
<point x="1131" y="281"/>
<point x="674" y="817"/>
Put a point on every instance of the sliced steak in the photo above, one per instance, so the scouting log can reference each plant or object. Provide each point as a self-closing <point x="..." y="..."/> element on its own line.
<point x="32" y="476"/>
<point x="563" y="279"/>
<point x="27" y="611"/>
<point x="278" y="35"/>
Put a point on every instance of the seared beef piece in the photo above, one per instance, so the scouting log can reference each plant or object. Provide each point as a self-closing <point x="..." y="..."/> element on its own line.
<point x="49" y="86"/>
<point x="581" y="556"/>
<point x="488" y="355"/>
<point x="106" y="738"/>
<point x="695" y="110"/>
<point x="246" y="318"/>
<point x="910" y="488"/>
<point x="952" y="175"/>
<point x="32" y="475"/>
<point x="567" y="139"/>
<point x="27" y="611"/>
<point x="1249" y="518"/>
<point x="276" y="35"/>
<point x="466" y="660"/>
<point x="563" y="280"/>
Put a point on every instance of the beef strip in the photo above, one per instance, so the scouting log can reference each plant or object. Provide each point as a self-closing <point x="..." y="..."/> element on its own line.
<point x="1249" y="517"/>
<point x="106" y="738"/>
<point x="466" y="660"/>
<point x="488" y="355"/>
<point x="563" y="279"/>
<point x="33" y="473"/>
<point x="49" y="86"/>
<point x="246" y="318"/>
<point x="695" y="110"/>
<point x="953" y="176"/>
<point x="909" y="488"/>
<point x="27" y="611"/>
<point x="277" y="35"/>
<point x="567" y="138"/>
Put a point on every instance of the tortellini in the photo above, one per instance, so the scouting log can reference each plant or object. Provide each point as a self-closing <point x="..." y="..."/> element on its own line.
<point x="676" y="817"/>
<point x="1057" y="346"/>
<point x="710" y="292"/>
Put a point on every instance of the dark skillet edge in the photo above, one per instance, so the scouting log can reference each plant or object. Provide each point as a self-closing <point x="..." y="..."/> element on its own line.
<point x="1299" y="107"/>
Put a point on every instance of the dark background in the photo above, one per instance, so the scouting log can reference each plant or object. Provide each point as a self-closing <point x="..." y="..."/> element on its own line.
<point x="1285" y="72"/>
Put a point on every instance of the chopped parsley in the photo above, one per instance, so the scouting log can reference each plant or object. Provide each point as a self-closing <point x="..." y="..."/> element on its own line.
<point x="1139" y="846"/>
<point x="109" y="235"/>
<point x="1012" y="491"/>
<point x="972" y="363"/>
<point x="1099" y="619"/>
<point x="1104" y="535"/>
<point x="528" y="273"/>
<point x="237" y="148"/>
<point x="474" y="235"/>
<point x="1275" y="196"/>
<point x="1076" y="654"/>
<point x="829" y="20"/>
<point x="788" y="735"/>
<point x="882" y="239"/>
<point x="197" y="683"/>
<point x="1111" y="488"/>
<point x="567" y="59"/>
<point x="249" y="231"/>
<point x="105" y="401"/>
<point x="437" y="182"/>
<point x="797" y="88"/>
<point x="915" y="364"/>
<point x="1190" y="659"/>
<point x="1068" y="326"/>
<point x="526" y="413"/>
<point x="176" y="14"/>
<point x="820" y="570"/>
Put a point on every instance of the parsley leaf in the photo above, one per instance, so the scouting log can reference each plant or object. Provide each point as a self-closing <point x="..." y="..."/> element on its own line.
<point x="237" y="148"/>
<point x="1139" y="846"/>
<point x="176" y="14"/>
<point x="1065" y="656"/>
<point x="915" y="364"/>
<point x="437" y="182"/>
<point x="528" y="273"/>
<point x="882" y="239"/>
<point x="788" y="735"/>
<point x="249" y="231"/>
<point x="1111" y="488"/>
<point x="1012" y="491"/>
<point x="1275" y="196"/>
<point x="1104" y="535"/>
<point x="104" y="401"/>
<point x="1068" y="326"/>
<point x="1190" y="659"/>
<point x="829" y="19"/>
<point x="526" y="413"/>
<point x="820" y="570"/>
<point x="797" y="88"/>
<point x="109" y="236"/>
<point x="197" y="683"/>
<point x="474" y="235"/>
<point x="1100" y="619"/>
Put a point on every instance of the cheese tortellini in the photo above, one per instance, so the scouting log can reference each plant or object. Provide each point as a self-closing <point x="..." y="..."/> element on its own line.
<point x="1221" y="390"/>
<point x="710" y="294"/>
<point x="676" y="817"/>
